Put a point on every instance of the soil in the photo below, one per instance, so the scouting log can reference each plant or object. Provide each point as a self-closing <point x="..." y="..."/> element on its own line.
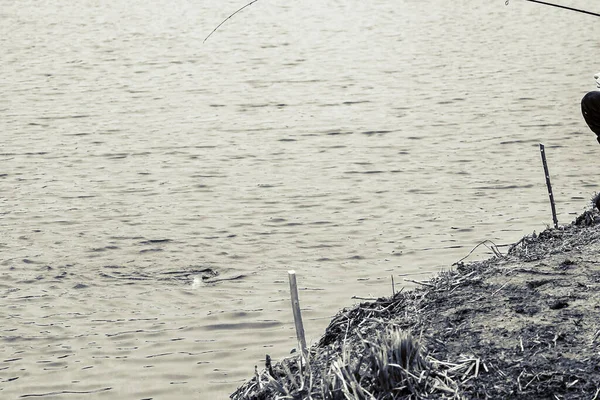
<point x="525" y="324"/>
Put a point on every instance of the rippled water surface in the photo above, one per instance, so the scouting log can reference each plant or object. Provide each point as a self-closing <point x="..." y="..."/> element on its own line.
<point x="155" y="189"/>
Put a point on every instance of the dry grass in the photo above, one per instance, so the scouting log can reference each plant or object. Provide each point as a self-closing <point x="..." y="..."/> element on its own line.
<point x="391" y="365"/>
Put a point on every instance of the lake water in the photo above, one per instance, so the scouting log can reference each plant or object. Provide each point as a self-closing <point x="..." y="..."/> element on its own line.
<point x="155" y="189"/>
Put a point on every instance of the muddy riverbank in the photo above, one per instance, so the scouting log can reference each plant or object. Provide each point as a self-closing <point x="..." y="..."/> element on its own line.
<point x="525" y="324"/>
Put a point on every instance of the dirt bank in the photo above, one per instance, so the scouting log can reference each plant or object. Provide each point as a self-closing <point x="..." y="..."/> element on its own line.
<point x="521" y="325"/>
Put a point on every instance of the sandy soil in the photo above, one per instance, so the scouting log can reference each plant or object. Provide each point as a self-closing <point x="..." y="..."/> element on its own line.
<point x="525" y="324"/>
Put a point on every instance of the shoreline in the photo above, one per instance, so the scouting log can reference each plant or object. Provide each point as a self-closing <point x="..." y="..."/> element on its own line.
<point x="521" y="325"/>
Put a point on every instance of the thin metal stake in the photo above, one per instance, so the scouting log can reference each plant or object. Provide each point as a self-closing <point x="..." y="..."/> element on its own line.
<point x="543" y="152"/>
<point x="297" y="314"/>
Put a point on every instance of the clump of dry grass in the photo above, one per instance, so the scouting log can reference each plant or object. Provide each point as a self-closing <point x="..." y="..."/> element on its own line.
<point x="391" y="365"/>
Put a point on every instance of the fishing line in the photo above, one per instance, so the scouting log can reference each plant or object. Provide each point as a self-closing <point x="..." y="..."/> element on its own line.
<point x="506" y="3"/>
<point x="559" y="6"/>
<point x="237" y="11"/>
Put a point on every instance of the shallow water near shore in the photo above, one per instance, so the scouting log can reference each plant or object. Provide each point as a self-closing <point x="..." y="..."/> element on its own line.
<point x="155" y="189"/>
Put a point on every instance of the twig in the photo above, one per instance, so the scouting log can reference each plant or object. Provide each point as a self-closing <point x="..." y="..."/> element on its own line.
<point x="257" y="376"/>
<point x="521" y="343"/>
<point x="419" y="283"/>
<point x="268" y="365"/>
<point x="532" y="379"/>
<point x="346" y="335"/>
<point x="240" y="9"/>
<point x="595" y="336"/>
<point x="570" y="385"/>
<point x="494" y="249"/>
<point x="519" y="380"/>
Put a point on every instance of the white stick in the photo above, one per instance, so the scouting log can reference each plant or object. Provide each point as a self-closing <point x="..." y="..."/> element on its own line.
<point x="297" y="314"/>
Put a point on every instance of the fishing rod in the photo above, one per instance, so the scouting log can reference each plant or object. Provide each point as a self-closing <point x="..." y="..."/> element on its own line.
<point x="559" y="6"/>
<point x="237" y="11"/>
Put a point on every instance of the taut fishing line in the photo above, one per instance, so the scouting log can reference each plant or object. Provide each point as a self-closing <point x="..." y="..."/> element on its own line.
<point x="237" y="11"/>
<point x="559" y="6"/>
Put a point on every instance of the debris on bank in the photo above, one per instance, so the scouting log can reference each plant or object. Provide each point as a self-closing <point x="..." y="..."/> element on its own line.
<point x="521" y="325"/>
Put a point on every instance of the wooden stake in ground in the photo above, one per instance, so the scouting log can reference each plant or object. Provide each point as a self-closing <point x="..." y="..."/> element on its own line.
<point x="549" y="185"/>
<point x="297" y="314"/>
